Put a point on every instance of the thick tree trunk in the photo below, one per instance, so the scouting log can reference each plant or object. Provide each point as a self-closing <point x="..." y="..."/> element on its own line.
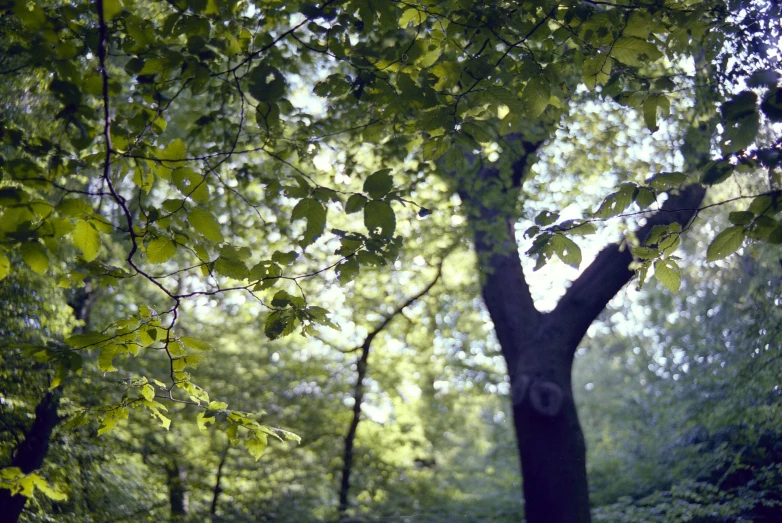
<point x="539" y="348"/>
<point x="551" y="443"/>
<point x="31" y="452"/>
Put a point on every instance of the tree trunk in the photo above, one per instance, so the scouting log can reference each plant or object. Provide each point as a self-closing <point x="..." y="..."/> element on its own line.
<point x="218" y="489"/>
<point x="177" y="491"/>
<point x="31" y="452"/>
<point x="539" y="348"/>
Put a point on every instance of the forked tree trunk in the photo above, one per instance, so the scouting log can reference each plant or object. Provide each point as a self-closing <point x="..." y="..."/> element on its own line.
<point x="539" y="348"/>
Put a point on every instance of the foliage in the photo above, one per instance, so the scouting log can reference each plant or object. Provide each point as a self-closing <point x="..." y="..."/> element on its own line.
<point x="221" y="169"/>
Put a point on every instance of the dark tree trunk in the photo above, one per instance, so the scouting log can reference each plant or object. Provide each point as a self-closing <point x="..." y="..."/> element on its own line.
<point x="217" y="490"/>
<point x="31" y="452"/>
<point x="347" y="458"/>
<point x="177" y="491"/>
<point x="539" y="348"/>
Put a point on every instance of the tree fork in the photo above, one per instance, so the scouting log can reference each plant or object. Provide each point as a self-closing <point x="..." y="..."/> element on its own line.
<point x="539" y="348"/>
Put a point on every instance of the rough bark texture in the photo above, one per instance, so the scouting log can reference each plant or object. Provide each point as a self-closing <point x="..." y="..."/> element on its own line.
<point x="539" y="348"/>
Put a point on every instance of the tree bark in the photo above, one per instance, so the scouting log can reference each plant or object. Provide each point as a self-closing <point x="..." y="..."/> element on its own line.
<point x="31" y="452"/>
<point x="539" y="348"/>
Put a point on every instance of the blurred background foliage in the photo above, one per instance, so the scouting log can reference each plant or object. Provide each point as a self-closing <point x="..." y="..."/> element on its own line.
<point x="679" y="395"/>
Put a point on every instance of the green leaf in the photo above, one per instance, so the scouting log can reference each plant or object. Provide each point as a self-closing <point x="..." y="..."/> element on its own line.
<point x="111" y="8"/>
<point x="615" y="203"/>
<point x="176" y="150"/>
<point x="668" y="274"/>
<point x="34" y="255"/>
<point x="635" y="52"/>
<point x="716" y="172"/>
<point x="266" y="83"/>
<point x="597" y="70"/>
<point x="284" y="258"/>
<point x="5" y="266"/>
<point x="379" y="183"/>
<point x="645" y="197"/>
<point x="230" y="265"/>
<point x="106" y="358"/>
<point x="741" y="217"/>
<point x="355" y="203"/>
<point x="448" y="74"/>
<point x="665" y="181"/>
<point x="650" y="113"/>
<point x="772" y="104"/>
<point x="315" y="213"/>
<point x="739" y="106"/>
<point x="148" y="392"/>
<point x="347" y="270"/>
<point x="48" y="491"/>
<point x="379" y="215"/>
<point x="535" y="96"/>
<point x="195" y="343"/>
<point x="280" y="323"/>
<point x="763" y="204"/>
<point x="266" y="273"/>
<point x="160" y="250"/>
<point x="726" y="243"/>
<point x="436" y="147"/>
<point x="645" y="253"/>
<point x="739" y="134"/>
<point x="411" y="15"/>
<point x="203" y="420"/>
<point x="111" y="418"/>
<point x="256" y="444"/>
<point x="205" y="223"/>
<point x="87" y="240"/>
<point x="567" y="250"/>
<point x="545" y="218"/>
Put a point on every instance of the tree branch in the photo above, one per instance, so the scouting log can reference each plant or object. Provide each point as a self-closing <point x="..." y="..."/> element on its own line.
<point x="606" y="276"/>
<point x="358" y="389"/>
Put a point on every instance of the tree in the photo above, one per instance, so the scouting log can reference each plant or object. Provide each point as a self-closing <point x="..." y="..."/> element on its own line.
<point x="180" y="153"/>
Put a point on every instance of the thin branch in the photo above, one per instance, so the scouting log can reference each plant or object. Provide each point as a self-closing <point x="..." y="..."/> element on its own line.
<point x="358" y="390"/>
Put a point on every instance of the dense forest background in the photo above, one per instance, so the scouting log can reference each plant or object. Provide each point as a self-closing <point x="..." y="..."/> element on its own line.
<point x="240" y="281"/>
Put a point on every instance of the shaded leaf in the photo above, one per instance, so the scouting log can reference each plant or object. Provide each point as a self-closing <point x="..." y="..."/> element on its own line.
<point x="314" y="213"/>
<point x="726" y="243"/>
<point x="379" y="217"/>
